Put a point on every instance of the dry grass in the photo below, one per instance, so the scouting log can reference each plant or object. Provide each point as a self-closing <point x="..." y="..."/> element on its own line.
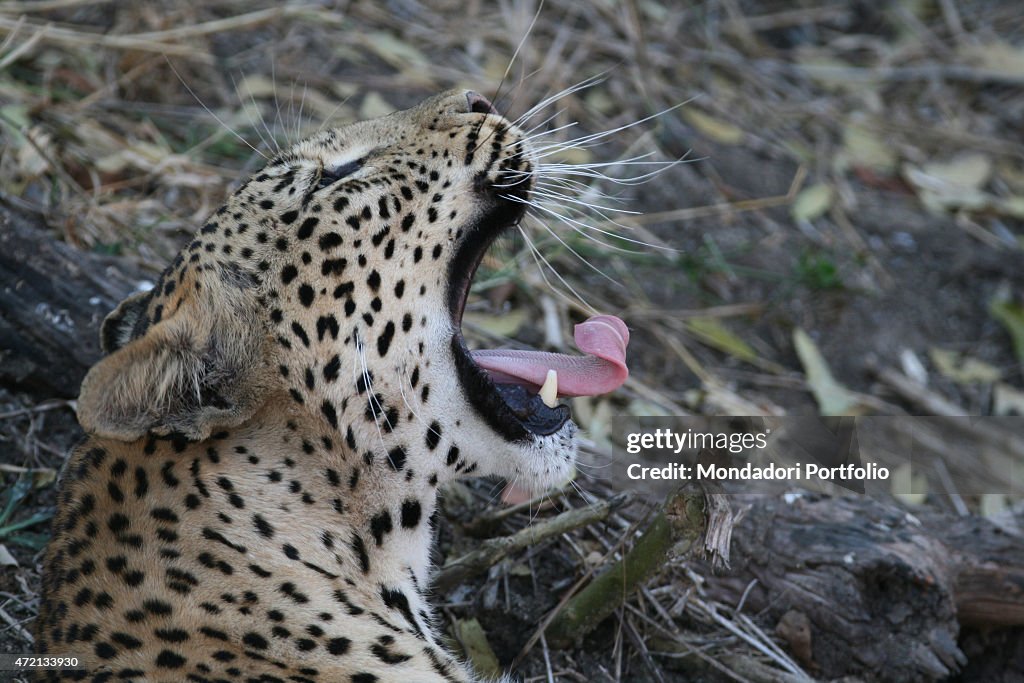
<point x="856" y="174"/>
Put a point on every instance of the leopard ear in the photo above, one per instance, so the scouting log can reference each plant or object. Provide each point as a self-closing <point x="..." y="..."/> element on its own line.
<point x="202" y="368"/>
<point x="125" y="322"/>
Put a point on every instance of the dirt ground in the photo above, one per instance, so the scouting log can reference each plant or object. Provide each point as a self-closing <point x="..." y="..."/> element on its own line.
<point x="853" y="175"/>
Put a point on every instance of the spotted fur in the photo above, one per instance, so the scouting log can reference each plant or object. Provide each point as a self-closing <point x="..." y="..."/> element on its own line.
<point x="271" y="424"/>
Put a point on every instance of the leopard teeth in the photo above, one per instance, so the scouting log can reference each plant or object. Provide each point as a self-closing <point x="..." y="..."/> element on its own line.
<point x="549" y="392"/>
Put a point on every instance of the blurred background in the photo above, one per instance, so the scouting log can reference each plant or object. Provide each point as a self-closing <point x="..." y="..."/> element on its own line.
<point x="843" y="236"/>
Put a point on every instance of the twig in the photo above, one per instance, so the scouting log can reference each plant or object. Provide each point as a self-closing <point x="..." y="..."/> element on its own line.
<point x="763" y="645"/>
<point x="645" y="654"/>
<point x="15" y="54"/>
<point x="42" y="407"/>
<point x="895" y="74"/>
<point x="547" y="659"/>
<point x="786" y="18"/>
<point x="494" y="550"/>
<point x="725" y="207"/>
<point x="952" y="17"/>
<point x="45" y="5"/>
<point x="484" y="524"/>
<point x="162" y="41"/>
<point x="16" y="625"/>
<point x="915" y="392"/>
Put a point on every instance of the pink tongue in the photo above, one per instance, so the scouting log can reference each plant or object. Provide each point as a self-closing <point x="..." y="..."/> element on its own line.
<point x="603" y="338"/>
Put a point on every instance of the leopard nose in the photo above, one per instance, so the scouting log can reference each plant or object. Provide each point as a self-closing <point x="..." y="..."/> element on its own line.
<point x="478" y="104"/>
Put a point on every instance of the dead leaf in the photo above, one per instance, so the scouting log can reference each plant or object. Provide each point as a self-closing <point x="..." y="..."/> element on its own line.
<point x="713" y="128"/>
<point x="907" y="486"/>
<point x="1011" y="315"/>
<point x="600" y="101"/>
<point x="953" y="184"/>
<point x="643" y="408"/>
<point x="1007" y="400"/>
<point x="996" y="56"/>
<point x="520" y="569"/>
<point x="963" y="369"/>
<point x="394" y="50"/>
<point x="6" y="559"/>
<point x="992" y="504"/>
<point x="374" y="106"/>
<point x="34" y="156"/>
<point x="830" y="71"/>
<point x="966" y="171"/>
<point x="478" y="651"/>
<point x="832" y="397"/>
<point x="863" y="147"/>
<point x="504" y="325"/>
<point x="812" y="202"/>
<point x="600" y="424"/>
<point x="712" y="332"/>
<point x="572" y="155"/>
<point x="255" y="86"/>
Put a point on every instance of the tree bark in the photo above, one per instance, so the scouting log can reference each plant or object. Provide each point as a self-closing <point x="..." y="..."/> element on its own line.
<point x="53" y="298"/>
<point x="859" y="587"/>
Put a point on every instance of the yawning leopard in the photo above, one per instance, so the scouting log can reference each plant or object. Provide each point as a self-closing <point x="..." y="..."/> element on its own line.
<point x="271" y="423"/>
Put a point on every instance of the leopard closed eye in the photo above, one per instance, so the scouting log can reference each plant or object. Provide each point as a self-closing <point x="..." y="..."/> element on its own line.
<point x="271" y="423"/>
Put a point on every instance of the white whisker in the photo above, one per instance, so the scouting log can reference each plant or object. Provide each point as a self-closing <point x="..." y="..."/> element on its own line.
<point x="302" y="108"/>
<point x="560" y="198"/>
<point x="575" y="253"/>
<point x="210" y="111"/>
<point x="588" y="82"/>
<point x="375" y="405"/>
<point x="538" y="257"/>
<point x="271" y="143"/>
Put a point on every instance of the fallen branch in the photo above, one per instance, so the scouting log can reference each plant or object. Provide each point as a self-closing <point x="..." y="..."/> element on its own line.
<point x="52" y="301"/>
<point x="673" y="531"/>
<point x="865" y="568"/>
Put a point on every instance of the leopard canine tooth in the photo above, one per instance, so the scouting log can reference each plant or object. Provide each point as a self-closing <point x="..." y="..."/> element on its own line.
<point x="549" y="391"/>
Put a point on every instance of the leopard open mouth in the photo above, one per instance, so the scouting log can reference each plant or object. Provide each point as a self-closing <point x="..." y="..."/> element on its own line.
<point x="503" y="386"/>
<point x="509" y="409"/>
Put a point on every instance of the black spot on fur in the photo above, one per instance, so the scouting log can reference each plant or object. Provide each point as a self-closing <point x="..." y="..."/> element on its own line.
<point x="433" y="435"/>
<point x="381" y="525"/>
<point x="307" y="227"/>
<point x="306" y="295"/>
<point x="384" y="340"/>
<point x="170" y="660"/>
<point x="330" y="240"/>
<point x="332" y="368"/>
<point x="359" y="548"/>
<point x="265" y="529"/>
<point x="333" y="267"/>
<point x="255" y="641"/>
<point x="338" y="646"/>
<point x="396" y="458"/>
<point x="325" y="324"/>
<point x="411" y="513"/>
<point x="327" y="408"/>
<point x="300" y="332"/>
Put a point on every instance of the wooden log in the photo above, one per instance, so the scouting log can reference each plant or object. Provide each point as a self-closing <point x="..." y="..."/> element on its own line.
<point x="53" y="298"/>
<point x="876" y="592"/>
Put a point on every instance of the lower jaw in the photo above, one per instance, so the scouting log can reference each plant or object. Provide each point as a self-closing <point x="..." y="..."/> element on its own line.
<point x="510" y="410"/>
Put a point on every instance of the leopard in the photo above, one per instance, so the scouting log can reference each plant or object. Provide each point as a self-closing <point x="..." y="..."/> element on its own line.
<point x="256" y="494"/>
